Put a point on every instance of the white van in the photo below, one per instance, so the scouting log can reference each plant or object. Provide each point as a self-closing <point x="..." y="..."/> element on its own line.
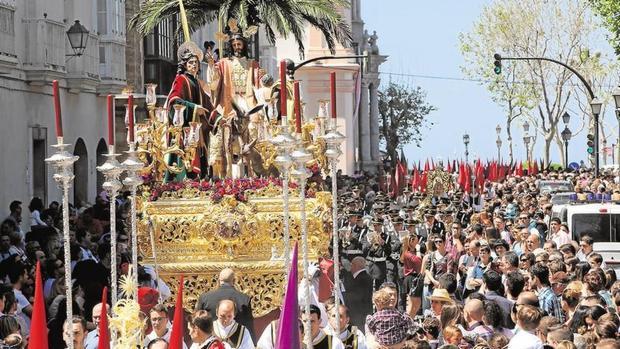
<point x="601" y="220"/>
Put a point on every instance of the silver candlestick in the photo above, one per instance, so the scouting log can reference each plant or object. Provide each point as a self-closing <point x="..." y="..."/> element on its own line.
<point x="333" y="139"/>
<point x="112" y="170"/>
<point x="62" y="163"/>
<point x="284" y="143"/>
<point x="133" y="165"/>
<point x="300" y="172"/>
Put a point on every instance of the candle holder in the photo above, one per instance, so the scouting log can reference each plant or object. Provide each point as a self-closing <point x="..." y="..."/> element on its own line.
<point x="300" y="156"/>
<point x="62" y="164"/>
<point x="112" y="170"/>
<point x="284" y="142"/>
<point x="133" y="166"/>
<point x="333" y="139"/>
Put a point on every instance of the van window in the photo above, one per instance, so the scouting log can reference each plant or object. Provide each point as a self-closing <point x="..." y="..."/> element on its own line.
<point x="602" y="227"/>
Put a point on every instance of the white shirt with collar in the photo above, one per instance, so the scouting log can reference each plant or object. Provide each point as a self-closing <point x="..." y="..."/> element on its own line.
<point x="336" y="343"/>
<point x="524" y="340"/>
<point x="361" y="339"/>
<point x="152" y="336"/>
<point x="225" y="332"/>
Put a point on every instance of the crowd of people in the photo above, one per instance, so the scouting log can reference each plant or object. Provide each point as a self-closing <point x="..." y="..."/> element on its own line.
<point x="490" y="269"/>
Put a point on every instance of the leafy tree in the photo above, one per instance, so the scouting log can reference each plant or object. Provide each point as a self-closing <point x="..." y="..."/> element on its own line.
<point x="557" y="29"/>
<point x="283" y="17"/>
<point x="609" y="11"/>
<point x="404" y="113"/>
<point x="478" y="47"/>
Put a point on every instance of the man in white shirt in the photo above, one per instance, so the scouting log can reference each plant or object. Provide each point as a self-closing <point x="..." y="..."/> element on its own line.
<point x="320" y="338"/>
<point x="349" y="335"/>
<point x="201" y="332"/>
<point x="228" y="330"/>
<point x="528" y="319"/>
<point x="162" y="328"/>
<point x="557" y="235"/>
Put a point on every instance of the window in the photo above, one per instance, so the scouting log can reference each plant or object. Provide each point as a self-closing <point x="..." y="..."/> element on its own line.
<point x="39" y="168"/>
<point x="101" y="55"/>
<point x="7" y="20"/>
<point x="102" y="20"/>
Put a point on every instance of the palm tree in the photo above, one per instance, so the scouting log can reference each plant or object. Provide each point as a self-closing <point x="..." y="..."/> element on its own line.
<point x="284" y="17"/>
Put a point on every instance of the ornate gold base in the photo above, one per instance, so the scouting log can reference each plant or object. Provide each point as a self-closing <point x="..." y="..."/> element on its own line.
<point x="199" y="237"/>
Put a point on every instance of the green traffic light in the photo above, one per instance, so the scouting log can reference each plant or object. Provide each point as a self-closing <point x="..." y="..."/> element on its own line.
<point x="497" y="70"/>
<point x="590" y="150"/>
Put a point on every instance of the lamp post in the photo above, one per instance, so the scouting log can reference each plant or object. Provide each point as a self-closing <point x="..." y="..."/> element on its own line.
<point x="78" y="38"/>
<point x="566" y="135"/>
<point x="498" y="129"/>
<point x="466" y="142"/>
<point x="526" y="140"/>
<point x="616" y="94"/>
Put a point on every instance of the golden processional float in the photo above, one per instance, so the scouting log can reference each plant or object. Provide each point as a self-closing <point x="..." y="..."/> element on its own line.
<point x="195" y="228"/>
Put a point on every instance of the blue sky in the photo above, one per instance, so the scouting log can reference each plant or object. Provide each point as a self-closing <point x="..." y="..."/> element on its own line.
<point x="421" y="38"/>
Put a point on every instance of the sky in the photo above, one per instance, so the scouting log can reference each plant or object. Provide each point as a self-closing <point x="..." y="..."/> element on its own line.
<point x="421" y="39"/>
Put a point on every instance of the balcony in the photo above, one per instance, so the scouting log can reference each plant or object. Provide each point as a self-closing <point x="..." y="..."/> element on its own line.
<point x="83" y="71"/>
<point x="8" y="58"/>
<point x="44" y="59"/>
<point x="111" y="64"/>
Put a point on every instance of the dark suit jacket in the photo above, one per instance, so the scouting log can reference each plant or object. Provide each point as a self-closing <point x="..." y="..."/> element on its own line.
<point x="358" y="297"/>
<point x="506" y="306"/>
<point x="209" y="301"/>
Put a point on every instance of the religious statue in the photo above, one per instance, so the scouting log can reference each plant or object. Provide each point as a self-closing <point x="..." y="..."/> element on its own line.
<point x="233" y="80"/>
<point x="189" y="107"/>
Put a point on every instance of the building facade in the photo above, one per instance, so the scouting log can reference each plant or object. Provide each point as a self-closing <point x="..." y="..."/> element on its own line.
<point x="34" y="50"/>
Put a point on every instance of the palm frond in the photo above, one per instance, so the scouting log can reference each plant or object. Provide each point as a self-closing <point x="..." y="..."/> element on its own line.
<point x="279" y="17"/>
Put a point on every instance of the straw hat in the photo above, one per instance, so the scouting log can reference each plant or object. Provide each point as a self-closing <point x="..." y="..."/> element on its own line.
<point x="440" y="295"/>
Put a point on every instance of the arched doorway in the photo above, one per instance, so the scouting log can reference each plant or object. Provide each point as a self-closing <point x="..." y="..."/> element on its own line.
<point x="102" y="149"/>
<point x="80" y="169"/>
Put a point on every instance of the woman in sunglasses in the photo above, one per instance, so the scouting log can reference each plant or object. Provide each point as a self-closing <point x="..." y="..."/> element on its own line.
<point x="434" y="264"/>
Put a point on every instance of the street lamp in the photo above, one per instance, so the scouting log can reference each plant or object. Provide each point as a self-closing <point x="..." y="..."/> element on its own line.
<point x="498" y="129"/>
<point x="566" y="135"/>
<point x="466" y="142"/>
<point x="566" y="118"/>
<point x="526" y="127"/>
<point x="616" y="94"/>
<point x="78" y="38"/>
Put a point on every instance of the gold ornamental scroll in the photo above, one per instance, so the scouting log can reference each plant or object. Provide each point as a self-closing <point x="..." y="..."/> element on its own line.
<point x="197" y="237"/>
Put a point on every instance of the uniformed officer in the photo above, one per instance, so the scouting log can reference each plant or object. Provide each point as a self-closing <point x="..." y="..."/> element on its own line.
<point x="376" y="251"/>
<point x="354" y="236"/>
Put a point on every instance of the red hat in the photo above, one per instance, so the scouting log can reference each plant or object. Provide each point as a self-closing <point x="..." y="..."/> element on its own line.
<point x="147" y="298"/>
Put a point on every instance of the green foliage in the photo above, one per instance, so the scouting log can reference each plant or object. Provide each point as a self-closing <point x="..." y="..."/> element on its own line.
<point x="609" y="11"/>
<point x="404" y="113"/>
<point x="278" y="17"/>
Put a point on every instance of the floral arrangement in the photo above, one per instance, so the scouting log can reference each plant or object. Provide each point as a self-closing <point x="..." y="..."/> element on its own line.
<point x="215" y="189"/>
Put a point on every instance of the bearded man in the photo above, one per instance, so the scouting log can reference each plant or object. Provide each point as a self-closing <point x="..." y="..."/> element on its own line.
<point x="189" y="91"/>
<point x="233" y="80"/>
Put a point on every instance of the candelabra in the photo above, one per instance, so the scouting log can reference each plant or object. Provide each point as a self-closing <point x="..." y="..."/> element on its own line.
<point x="284" y="142"/>
<point x="112" y="170"/>
<point x="333" y="139"/>
<point x="62" y="164"/>
<point x="133" y="165"/>
<point x="300" y="156"/>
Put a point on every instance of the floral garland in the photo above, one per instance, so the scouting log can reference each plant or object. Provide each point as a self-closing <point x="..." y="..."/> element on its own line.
<point x="217" y="189"/>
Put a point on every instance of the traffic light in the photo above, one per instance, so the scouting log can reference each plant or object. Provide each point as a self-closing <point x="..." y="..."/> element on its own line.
<point x="590" y="144"/>
<point x="497" y="63"/>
